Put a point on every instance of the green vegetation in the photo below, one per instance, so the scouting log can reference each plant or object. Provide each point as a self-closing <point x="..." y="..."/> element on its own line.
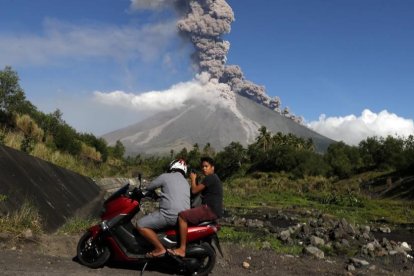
<point x="26" y="217"/>
<point x="76" y="225"/>
<point x="257" y="240"/>
<point x="342" y="198"/>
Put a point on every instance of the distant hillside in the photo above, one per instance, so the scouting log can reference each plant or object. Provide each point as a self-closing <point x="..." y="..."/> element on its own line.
<point x="208" y="123"/>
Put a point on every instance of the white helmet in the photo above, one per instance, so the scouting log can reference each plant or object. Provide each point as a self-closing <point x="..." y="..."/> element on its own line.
<point x="178" y="165"/>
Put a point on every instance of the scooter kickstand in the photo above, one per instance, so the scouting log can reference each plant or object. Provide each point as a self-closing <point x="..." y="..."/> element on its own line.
<point x="143" y="268"/>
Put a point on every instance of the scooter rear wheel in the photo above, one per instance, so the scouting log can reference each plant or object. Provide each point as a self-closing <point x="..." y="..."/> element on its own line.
<point x="207" y="261"/>
<point x="90" y="253"/>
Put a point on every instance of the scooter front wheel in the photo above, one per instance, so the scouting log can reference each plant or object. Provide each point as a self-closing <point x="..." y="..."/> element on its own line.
<point x="91" y="253"/>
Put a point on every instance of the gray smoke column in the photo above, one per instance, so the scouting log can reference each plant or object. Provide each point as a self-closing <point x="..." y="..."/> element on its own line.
<point x="204" y="22"/>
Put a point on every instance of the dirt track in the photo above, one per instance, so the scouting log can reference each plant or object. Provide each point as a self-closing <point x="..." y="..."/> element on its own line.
<point x="54" y="255"/>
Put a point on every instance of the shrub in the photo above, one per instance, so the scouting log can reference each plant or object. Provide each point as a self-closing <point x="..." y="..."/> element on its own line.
<point x="89" y="152"/>
<point x="29" y="127"/>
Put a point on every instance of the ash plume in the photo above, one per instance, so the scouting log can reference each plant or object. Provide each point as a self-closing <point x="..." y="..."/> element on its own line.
<point x="203" y="23"/>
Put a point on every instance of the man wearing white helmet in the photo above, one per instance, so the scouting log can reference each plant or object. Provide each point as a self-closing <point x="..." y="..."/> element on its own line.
<point x="175" y="197"/>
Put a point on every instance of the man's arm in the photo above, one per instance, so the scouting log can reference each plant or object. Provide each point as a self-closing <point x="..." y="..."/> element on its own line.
<point x="195" y="187"/>
<point x="156" y="183"/>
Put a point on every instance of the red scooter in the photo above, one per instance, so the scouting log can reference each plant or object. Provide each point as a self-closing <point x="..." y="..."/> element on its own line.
<point x="117" y="239"/>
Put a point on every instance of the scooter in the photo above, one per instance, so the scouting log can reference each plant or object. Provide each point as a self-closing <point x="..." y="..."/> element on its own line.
<point x="117" y="239"/>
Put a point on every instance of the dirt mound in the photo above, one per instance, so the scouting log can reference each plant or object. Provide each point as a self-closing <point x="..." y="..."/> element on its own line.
<point x="56" y="192"/>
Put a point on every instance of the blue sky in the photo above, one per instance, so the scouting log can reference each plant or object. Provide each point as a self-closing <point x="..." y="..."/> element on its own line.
<point x="350" y="60"/>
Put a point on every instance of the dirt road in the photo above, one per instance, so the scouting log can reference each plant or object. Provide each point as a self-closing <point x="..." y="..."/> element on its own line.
<point x="54" y="255"/>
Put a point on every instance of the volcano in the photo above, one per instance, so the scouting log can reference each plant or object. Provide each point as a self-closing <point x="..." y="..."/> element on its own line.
<point x="206" y="122"/>
<point x="236" y="115"/>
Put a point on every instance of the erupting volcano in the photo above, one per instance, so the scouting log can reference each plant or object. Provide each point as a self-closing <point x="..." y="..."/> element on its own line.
<point x="228" y="108"/>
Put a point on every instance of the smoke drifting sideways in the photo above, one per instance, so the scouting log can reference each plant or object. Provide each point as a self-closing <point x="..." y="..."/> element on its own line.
<point x="202" y="23"/>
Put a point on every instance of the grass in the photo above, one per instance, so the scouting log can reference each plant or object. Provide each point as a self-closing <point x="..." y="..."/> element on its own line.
<point x="27" y="217"/>
<point x="76" y="225"/>
<point x="62" y="159"/>
<point x="257" y="241"/>
<point x="341" y="199"/>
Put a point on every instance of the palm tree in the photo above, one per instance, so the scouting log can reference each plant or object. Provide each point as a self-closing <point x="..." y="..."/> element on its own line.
<point x="264" y="140"/>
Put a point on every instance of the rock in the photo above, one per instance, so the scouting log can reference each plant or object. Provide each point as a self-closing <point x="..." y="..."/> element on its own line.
<point x="245" y="265"/>
<point x="321" y="222"/>
<point x="401" y="250"/>
<point x="366" y="229"/>
<point x="385" y="229"/>
<point x="305" y="229"/>
<point x="254" y="223"/>
<point x="381" y="252"/>
<point x="370" y="246"/>
<point x="239" y="221"/>
<point x="316" y="241"/>
<point x="350" y="267"/>
<point x="313" y="223"/>
<point x="366" y="236"/>
<point x="306" y="213"/>
<point x="314" y="251"/>
<point x="285" y="235"/>
<point x="338" y="234"/>
<point x="406" y="246"/>
<point x="292" y="229"/>
<point x="28" y="234"/>
<point x="347" y="228"/>
<point x="359" y="262"/>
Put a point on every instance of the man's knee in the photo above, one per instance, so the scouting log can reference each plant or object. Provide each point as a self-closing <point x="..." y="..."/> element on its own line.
<point x="141" y="229"/>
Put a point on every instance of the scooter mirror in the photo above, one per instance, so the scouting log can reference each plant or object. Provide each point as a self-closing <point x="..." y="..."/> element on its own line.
<point x="140" y="180"/>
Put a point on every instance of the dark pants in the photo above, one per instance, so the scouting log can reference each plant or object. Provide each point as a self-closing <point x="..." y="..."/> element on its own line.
<point x="198" y="214"/>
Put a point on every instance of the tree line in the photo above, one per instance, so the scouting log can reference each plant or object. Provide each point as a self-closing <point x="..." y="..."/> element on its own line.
<point x="268" y="153"/>
<point x="297" y="156"/>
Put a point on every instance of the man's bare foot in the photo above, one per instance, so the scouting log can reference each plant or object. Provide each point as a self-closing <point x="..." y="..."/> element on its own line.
<point x="177" y="252"/>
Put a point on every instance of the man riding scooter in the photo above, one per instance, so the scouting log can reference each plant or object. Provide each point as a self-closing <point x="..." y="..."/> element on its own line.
<point x="175" y="197"/>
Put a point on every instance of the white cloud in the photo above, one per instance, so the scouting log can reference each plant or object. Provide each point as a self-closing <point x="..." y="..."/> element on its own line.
<point x="86" y="115"/>
<point x="198" y="89"/>
<point x="352" y="129"/>
<point x="149" y="4"/>
<point x="61" y="40"/>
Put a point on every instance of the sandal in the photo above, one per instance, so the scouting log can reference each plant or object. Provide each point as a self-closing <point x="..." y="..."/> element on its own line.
<point x="150" y="255"/>
<point x="174" y="253"/>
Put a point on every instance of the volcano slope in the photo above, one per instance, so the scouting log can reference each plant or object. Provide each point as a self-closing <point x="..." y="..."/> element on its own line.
<point x="204" y="123"/>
